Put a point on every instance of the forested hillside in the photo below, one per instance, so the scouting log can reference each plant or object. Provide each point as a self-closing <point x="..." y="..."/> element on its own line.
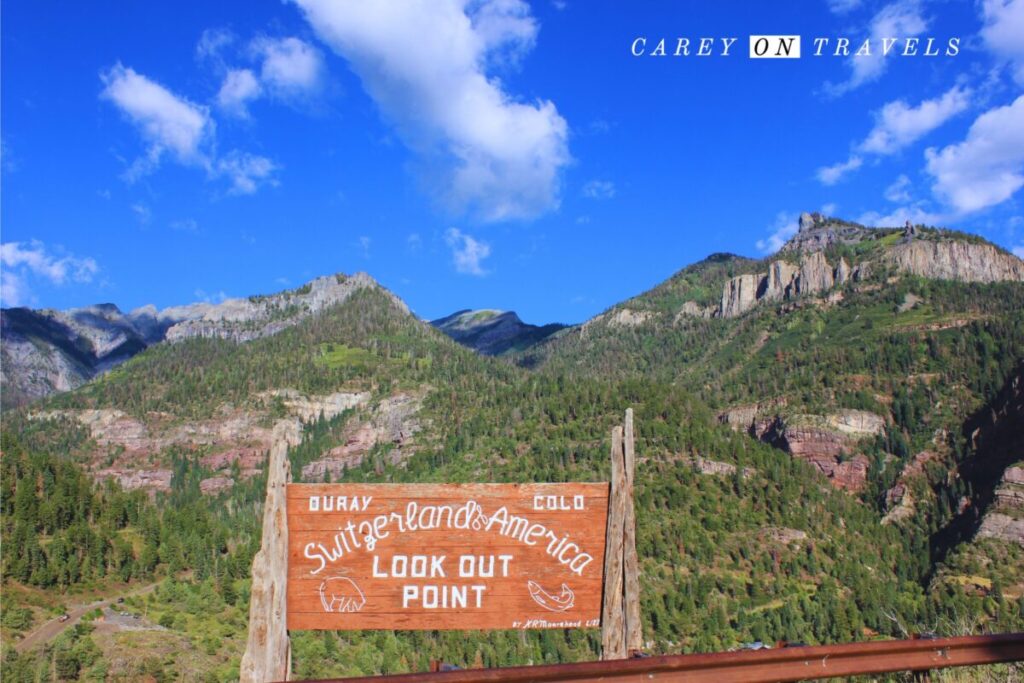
<point x="799" y="465"/>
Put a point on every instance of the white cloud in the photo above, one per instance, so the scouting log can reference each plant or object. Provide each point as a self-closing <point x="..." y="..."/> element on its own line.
<point x="165" y="121"/>
<point x="425" y="64"/>
<point x="830" y="175"/>
<point x="899" y="190"/>
<point x="507" y="26"/>
<point x="1003" y="30"/>
<point x="218" y="297"/>
<point x="22" y="262"/>
<point x="170" y="123"/>
<point x="897" y="124"/>
<point x="414" y="242"/>
<point x="239" y="86"/>
<point x="8" y="160"/>
<point x="843" y="6"/>
<point x="291" y="67"/>
<point x="1018" y="251"/>
<point x="185" y="225"/>
<point x="599" y="189"/>
<point x="785" y="226"/>
<point x="142" y="213"/>
<point x="467" y="253"/>
<point x="900" y="19"/>
<point x="917" y="215"/>
<point x="246" y="171"/>
<point x="212" y="43"/>
<point x="364" y="245"/>
<point x="987" y="168"/>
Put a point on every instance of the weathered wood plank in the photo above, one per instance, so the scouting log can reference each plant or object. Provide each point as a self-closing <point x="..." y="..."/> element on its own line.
<point x="268" y="650"/>
<point x="443" y="556"/>
<point x="612" y="635"/>
<point x="631" y="569"/>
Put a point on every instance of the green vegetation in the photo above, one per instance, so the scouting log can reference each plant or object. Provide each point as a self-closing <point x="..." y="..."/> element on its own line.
<point x="773" y="554"/>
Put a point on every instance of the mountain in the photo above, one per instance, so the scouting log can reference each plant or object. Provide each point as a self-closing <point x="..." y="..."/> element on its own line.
<point x="48" y="351"/>
<point x="836" y="461"/>
<point x="492" y="332"/>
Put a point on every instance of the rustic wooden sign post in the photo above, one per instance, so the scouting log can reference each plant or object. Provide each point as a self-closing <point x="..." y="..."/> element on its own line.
<point x="268" y="651"/>
<point x="445" y="556"/>
<point x="621" y="628"/>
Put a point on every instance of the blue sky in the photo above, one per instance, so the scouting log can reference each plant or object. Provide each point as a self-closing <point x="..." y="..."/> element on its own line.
<point x="494" y="153"/>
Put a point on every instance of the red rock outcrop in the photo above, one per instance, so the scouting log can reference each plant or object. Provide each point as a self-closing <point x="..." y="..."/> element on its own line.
<point x="215" y="485"/>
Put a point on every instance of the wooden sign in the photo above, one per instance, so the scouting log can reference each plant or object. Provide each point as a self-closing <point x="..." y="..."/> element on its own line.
<point x="445" y="556"/>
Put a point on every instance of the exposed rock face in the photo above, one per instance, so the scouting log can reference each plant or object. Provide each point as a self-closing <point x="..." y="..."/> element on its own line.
<point x="240" y="438"/>
<point x="1003" y="527"/>
<point x="782" y="281"/>
<point x="242" y="320"/>
<point x="952" y="260"/>
<point x="931" y="256"/>
<point x="627" y="317"/>
<point x="1005" y="517"/>
<point x="817" y="233"/>
<point x="858" y="423"/>
<point x="827" y="442"/>
<point x="816" y="275"/>
<point x="739" y="295"/>
<point x="49" y="351"/>
<point x="393" y="422"/>
<point x="691" y="309"/>
<point x="308" y="408"/>
<point x="493" y="333"/>
<point x="843" y="272"/>
<point x="45" y="352"/>
<point x="994" y="470"/>
<point x="899" y="501"/>
<point x="130" y="479"/>
<point x="249" y="459"/>
<point x="268" y="650"/>
<point x="215" y="485"/>
<point x="706" y="466"/>
<point x="780" y="277"/>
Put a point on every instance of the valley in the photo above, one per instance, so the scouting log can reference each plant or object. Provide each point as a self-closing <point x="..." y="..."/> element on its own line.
<point x="829" y="449"/>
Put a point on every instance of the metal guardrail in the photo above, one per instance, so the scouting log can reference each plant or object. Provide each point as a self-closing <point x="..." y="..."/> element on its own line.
<point x="784" y="664"/>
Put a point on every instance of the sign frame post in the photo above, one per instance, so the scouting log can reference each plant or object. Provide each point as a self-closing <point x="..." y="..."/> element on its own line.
<point x="621" y="624"/>
<point x="268" y="652"/>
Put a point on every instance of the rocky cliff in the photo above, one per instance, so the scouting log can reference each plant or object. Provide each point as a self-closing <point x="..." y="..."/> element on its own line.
<point x="243" y="320"/>
<point x="803" y="269"/>
<point x="48" y="351"/>
<point x="1005" y="518"/>
<point x="952" y="260"/>
<point x="492" y="332"/>
<point x="828" y="442"/>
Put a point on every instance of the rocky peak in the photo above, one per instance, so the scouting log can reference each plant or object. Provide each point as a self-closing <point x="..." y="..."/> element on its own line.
<point x="50" y="351"/>
<point x="261" y="316"/>
<point x="817" y="232"/>
<point x="491" y="331"/>
<point x="802" y="268"/>
<point x="810" y="221"/>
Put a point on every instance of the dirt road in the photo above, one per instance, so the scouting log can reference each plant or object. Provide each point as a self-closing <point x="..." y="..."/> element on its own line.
<point x="54" y="627"/>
